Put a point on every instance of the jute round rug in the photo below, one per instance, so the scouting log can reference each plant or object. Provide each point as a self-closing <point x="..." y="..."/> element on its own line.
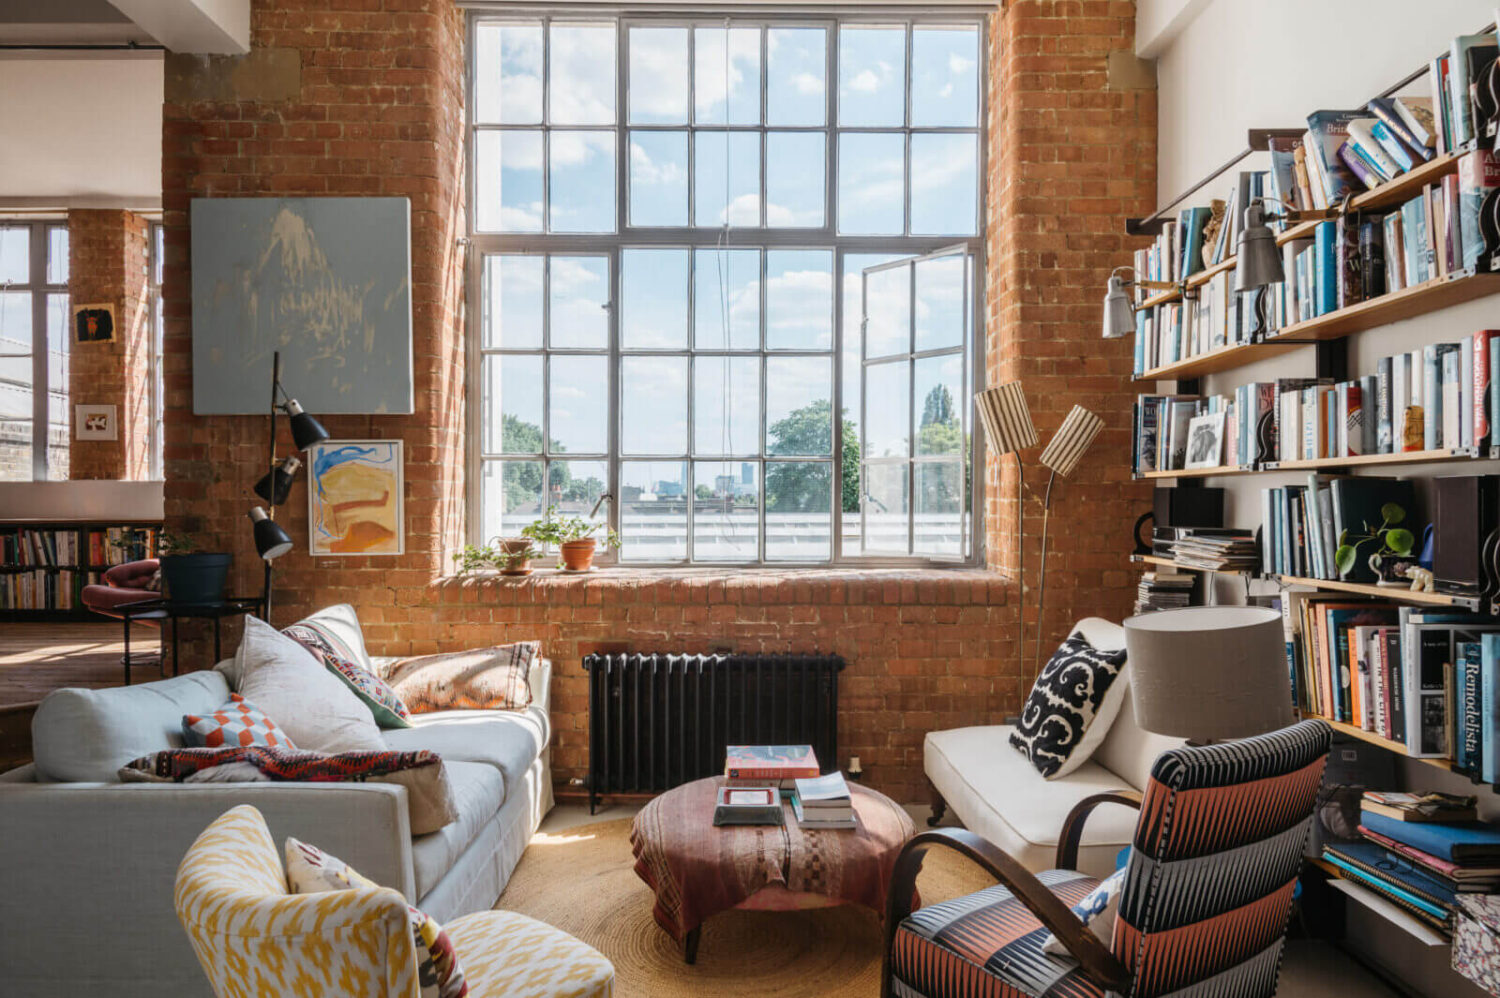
<point x="582" y="881"/>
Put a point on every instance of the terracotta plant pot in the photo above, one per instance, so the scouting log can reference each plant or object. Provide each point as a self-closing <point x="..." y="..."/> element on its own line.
<point x="511" y="545"/>
<point x="578" y="556"/>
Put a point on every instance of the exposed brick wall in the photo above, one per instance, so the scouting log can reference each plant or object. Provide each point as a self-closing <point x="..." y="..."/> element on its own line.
<point x="107" y="265"/>
<point x="368" y="99"/>
<point x="1072" y="155"/>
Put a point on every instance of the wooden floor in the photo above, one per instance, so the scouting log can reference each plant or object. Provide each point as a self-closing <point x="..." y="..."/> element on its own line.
<point x="36" y="659"/>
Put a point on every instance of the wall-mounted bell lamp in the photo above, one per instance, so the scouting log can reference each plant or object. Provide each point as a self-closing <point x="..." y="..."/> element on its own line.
<point x="1119" y="312"/>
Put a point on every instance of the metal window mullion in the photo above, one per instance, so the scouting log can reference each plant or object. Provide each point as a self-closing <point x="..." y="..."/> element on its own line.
<point x="911" y="408"/>
<point x="612" y="377"/>
<point x="37" y="278"/>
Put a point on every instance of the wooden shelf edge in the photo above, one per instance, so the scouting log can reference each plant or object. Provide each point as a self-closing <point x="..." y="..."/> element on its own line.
<point x="1222" y="470"/>
<point x="1365" y="460"/>
<point x="1418" y="299"/>
<point x="1355" y="731"/>
<point x="1151" y="559"/>
<point x="1384" y="592"/>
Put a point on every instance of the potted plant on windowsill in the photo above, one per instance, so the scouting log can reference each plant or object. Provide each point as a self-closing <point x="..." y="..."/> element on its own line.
<point x="576" y="538"/>
<point x="507" y="555"/>
<point x="191" y="576"/>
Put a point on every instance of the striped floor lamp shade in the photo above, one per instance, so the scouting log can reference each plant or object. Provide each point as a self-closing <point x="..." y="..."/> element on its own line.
<point x="1061" y="456"/>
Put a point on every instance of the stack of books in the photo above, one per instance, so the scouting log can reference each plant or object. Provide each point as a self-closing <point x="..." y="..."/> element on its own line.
<point x="1163" y="589"/>
<point x="824" y="802"/>
<point x="779" y="766"/>
<point x="1219" y="549"/>
<point x="1303" y="526"/>
<point x="1420" y="851"/>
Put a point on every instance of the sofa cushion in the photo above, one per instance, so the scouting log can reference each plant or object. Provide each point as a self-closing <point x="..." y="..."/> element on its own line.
<point x="327" y="647"/>
<point x="999" y="796"/>
<point x="509" y="740"/>
<point x="1074" y="701"/>
<point x="1129" y="750"/>
<point x="477" y="678"/>
<point x="478" y="791"/>
<point x="312" y="706"/>
<point x="87" y="735"/>
<point x="237" y="723"/>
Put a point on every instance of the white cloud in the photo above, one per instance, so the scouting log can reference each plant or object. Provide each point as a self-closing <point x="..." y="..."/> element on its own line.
<point x="645" y="170"/>
<point x="809" y="84"/>
<point x="958" y="65"/>
<point x="577" y="148"/>
<point x="865" y="81"/>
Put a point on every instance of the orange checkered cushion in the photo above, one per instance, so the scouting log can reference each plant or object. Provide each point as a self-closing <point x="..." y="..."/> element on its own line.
<point x="238" y="723"/>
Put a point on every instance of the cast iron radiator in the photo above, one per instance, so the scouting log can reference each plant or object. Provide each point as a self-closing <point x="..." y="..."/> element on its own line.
<point x="658" y="721"/>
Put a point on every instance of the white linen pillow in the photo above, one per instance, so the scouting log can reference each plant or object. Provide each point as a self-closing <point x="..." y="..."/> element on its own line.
<point x="312" y="705"/>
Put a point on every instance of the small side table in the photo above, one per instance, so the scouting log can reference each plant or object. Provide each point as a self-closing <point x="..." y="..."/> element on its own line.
<point x="166" y="610"/>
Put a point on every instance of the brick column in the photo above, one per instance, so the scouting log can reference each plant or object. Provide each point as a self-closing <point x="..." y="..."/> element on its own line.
<point x="1072" y="131"/>
<point x="107" y="265"/>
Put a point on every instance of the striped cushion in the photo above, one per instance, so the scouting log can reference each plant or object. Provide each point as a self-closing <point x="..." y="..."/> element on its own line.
<point x="1215" y="860"/>
<point x="988" y="945"/>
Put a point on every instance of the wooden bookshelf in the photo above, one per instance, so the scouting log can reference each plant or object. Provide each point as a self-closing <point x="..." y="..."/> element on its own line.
<point x="1389" y="195"/>
<point x="1151" y="559"/>
<point x="1227" y="469"/>
<point x="1394" y="306"/>
<point x="83" y="567"/>
<point x="1355" y="731"/>
<point x="1160" y="298"/>
<point x="1368" y="460"/>
<point x="1394" y="593"/>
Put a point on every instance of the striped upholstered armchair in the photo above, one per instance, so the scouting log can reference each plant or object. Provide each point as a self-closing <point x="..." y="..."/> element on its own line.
<point x="1204" y="907"/>
<point x="253" y="938"/>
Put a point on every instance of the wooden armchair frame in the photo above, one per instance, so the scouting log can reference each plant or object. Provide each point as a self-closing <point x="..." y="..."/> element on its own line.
<point x="1093" y="956"/>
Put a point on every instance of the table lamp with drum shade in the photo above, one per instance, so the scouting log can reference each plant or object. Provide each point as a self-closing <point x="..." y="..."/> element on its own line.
<point x="1209" y="673"/>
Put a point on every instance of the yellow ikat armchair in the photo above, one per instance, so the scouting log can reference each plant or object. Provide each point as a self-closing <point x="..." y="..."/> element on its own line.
<point x="254" y="939"/>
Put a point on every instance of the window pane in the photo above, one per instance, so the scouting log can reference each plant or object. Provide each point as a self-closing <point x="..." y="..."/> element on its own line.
<point x="654" y="314"/>
<point x="57" y="255"/>
<point x="574" y="486"/>
<point x="582" y="181"/>
<point x="581" y="75"/>
<point x="726" y="405"/>
<point x="508" y="194"/>
<point x="854" y="265"/>
<point x="726" y="192"/>
<point x="726" y="285"/>
<point x="653" y="510"/>
<point x="15" y="325"/>
<point x="871" y="188"/>
<point x="885" y="502"/>
<point x="511" y="497"/>
<point x="658" y="76"/>
<point x="58" y="344"/>
<point x="872" y="76"/>
<point x="795" y="85"/>
<point x="513" y="301"/>
<point x="15" y="254"/>
<point x="945" y="77"/>
<point x="799" y="511"/>
<point x="944" y="188"/>
<point x="513" y="405"/>
<point x="799" y="299"/>
<point x="653" y="402"/>
<point x="888" y="312"/>
<point x="578" y="398"/>
<point x="726" y="76"/>
<point x="658" y="178"/>
<point x="726" y="511"/>
<point x="940" y="306"/>
<point x="508" y="73"/>
<point x="939" y="513"/>
<point x="888" y="412"/>
<point x="799" y="415"/>
<point x="939" y="392"/>
<point x="794" y="179"/>
<point x="15" y="434"/>
<point x="579" y="302"/>
<point x="160" y="241"/>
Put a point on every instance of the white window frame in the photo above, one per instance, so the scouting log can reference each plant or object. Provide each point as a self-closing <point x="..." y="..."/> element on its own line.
<point x="612" y="244"/>
<point x="36" y="283"/>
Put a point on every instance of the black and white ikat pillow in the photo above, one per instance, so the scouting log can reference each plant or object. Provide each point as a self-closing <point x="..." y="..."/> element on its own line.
<point x="1071" y="707"/>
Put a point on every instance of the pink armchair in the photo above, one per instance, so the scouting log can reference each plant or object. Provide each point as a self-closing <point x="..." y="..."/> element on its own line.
<point x="122" y="584"/>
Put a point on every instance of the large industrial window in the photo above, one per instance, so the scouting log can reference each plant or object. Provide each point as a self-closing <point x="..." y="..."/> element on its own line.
<point x="685" y="233"/>
<point x="34" y="336"/>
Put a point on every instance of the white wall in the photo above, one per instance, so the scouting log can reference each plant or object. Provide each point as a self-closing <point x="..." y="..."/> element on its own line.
<point x="82" y="130"/>
<point x="1224" y="66"/>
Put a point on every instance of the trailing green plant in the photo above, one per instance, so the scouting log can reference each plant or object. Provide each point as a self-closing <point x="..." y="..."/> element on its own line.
<point x="558" y="530"/>
<point x="1393" y="539"/>
<point x="492" y="555"/>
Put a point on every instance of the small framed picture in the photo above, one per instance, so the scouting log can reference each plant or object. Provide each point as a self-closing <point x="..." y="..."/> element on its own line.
<point x="354" y="498"/>
<point x="93" y="323"/>
<point x="1205" y="447"/>
<point x="95" y="422"/>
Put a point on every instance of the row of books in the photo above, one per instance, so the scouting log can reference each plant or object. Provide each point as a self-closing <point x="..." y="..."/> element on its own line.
<point x="1420" y="864"/>
<point x="1214" y="317"/>
<point x="120" y="545"/>
<point x="1465" y="94"/>
<point x="25" y="547"/>
<point x="41" y="589"/>
<point x="1302" y="526"/>
<point x="1200" y="237"/>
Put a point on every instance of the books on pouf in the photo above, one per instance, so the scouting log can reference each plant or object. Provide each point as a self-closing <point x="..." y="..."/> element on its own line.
<point x="769" y="765"/>
<point x="748" y="806"/>
<point x="824" y="802"/>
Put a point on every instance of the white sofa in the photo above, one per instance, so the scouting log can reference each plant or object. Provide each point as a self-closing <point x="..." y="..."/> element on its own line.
<point x="996" y="792"/>
<point x="87" y="862"/>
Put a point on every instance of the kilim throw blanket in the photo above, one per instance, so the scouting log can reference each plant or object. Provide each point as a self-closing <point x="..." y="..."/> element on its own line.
<point x="176" y="765"/>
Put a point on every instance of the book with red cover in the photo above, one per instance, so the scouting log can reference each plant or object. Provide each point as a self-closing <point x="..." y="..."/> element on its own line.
<point x="770" y="762"/>
<point x="1467" y="878"/>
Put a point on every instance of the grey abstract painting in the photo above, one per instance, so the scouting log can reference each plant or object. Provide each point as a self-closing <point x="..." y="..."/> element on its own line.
<point x="326" y="281"/>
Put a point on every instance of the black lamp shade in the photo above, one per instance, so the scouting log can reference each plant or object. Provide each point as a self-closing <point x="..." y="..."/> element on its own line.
<point x="276" y="484"/>
<point x="1119" y="316"/>
<point x="306" y="430"/>
<point x="271" y="541"/>
<point x="1257" y="260"/>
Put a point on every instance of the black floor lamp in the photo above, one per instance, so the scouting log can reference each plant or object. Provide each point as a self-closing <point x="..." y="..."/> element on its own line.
<point x="271" y="542"/>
